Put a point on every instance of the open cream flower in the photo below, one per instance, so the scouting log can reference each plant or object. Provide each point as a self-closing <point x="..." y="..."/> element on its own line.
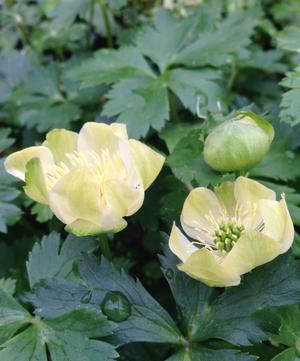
<point x="90" y="180"/>
<point x="234" y="229"/>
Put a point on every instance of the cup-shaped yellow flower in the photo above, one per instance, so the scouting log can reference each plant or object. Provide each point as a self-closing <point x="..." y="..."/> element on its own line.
<point x="90" y="180"/>
<point x="238" y="143"/>
<point x="234" y="229"/>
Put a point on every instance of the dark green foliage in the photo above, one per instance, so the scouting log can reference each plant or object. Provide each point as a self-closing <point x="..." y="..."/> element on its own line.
<point x="171" y="75"/>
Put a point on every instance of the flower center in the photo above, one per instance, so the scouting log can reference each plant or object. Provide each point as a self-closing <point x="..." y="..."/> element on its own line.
<point x="227" y="235"/>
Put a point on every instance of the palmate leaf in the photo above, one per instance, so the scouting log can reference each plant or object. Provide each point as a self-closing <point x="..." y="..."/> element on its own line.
<point x="140" y="103"/>
<point x="161" y="45"/>
<point x="140" y="94"/>
<point x="279" y="163"/>
<point x="9" y="212"/>
<point x="288" y="39"/>
<point x="187" y="162"/>
<point x="205" y="354"/>
<point x="50" y="259"/>
<point x="230" y="316"/>
<point x="216" y="48"/>
<point x="147" y="321"/>
<point x="289" y="105"/>
<point x="69" y="337"/>
<point x="110" y="66"/>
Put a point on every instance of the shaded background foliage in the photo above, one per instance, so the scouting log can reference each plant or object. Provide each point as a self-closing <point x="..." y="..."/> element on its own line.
<point x="171" y="72"/>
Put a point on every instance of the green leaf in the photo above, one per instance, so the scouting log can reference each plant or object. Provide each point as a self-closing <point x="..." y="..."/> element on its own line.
<point x="216" y="48"/>
<point x="162" y="42"/>
<point x="289" y="39"/>
<point x="8" y="285"/>
<point x="192" y="86"/>
<point x="9" y="215"/>
<point x="49" y="117"/>
<point x="141" y="103"/>
<point x="204" y="314"/>
<point x="48" y="259"/>
<point x="147" y="321"/>
<point x="286" y="355"/>
<point x="187" y="163"/>
<point x="12" y="316"/>
<point x="5" y="140"/>
<point x="14" y="66"/>
<point x="42" y="212"/>
<point x="69" y="337"/>
<point x="206" y="354"/>
<point x="279" y="164"/>
<point x="289" y="331"/>
<point x="267" y="61"/>
<point x="110" y="66"/>
<point x="64" y="14"/>
<point x="192" y="297"/>
<point x="289" y="104"/>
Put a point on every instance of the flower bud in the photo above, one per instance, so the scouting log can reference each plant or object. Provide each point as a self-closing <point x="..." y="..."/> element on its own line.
<point x="238" y="143"/>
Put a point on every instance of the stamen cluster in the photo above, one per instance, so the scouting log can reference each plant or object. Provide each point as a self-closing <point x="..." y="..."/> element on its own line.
<point x="227" y="235"/>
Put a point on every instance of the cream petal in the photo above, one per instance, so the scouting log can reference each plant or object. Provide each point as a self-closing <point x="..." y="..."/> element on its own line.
<point x="201" y="214"/>
<point x="251" y="250"/>
<point x="249" y="191"/>
<point x="205" y="265"/>
<point x="76" y="195"/>
<point x="147" y="161"/>
<point x="61" y="142"/>
<point x="124" y="197"/>
<point x="97" y="137"/>
<point x="225" y="194"/>
<point x="180" y="245"/>
<point x="120" y="130"/>
<point x="289" y="231"/>
<point x="81" y="228"/>
<point x="277" y="222"/>
<point x="36" y="187"/>
<point x="15" y="163"/>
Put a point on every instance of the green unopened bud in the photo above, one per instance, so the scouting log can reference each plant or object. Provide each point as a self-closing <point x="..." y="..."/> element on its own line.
<point x="238" y="143"/>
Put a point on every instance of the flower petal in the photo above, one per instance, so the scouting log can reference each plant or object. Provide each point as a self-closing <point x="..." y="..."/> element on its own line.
<point x="251" y="250"/>
<point x="76" y="195"/>
<point x="277" y="222"/>
<point x="35" y="181"/>
<point x="248" y="190"/>
<point x="124" y="197"/>
<point x="180" y="245"/>
<point x="225" y="194"/>
<point x="205" y="265"/>
<point x="81" y="228"/>
<point x="201" y="214"/>
<point x="15" y="163"/>
<point x="147" y="161"/>
<point x="96" y="137"/>
<point x="61" y="142"/>
<point x="120" y="130"/>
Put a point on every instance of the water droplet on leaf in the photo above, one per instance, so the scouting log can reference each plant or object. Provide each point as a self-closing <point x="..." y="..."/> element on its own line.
<point x="116" y="306"/>
<point x="169" y="273"/>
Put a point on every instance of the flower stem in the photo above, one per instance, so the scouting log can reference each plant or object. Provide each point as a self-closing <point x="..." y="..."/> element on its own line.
<point x="90" y="23"/>
<point x="103" y="7"/>
<point x="104" y="246"/>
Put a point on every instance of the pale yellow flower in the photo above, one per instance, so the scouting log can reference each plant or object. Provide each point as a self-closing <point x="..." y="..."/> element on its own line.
<point x="234" y="229"/>
<point x="90" y="180"/>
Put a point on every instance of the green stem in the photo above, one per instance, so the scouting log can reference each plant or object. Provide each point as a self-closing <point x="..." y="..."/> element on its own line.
<point x="233" y="75"/>
<point x="104" y="246"/>
<point x="173" y="109"/>
<point x="106" y="23"/>
<point x="90" y="23"/>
